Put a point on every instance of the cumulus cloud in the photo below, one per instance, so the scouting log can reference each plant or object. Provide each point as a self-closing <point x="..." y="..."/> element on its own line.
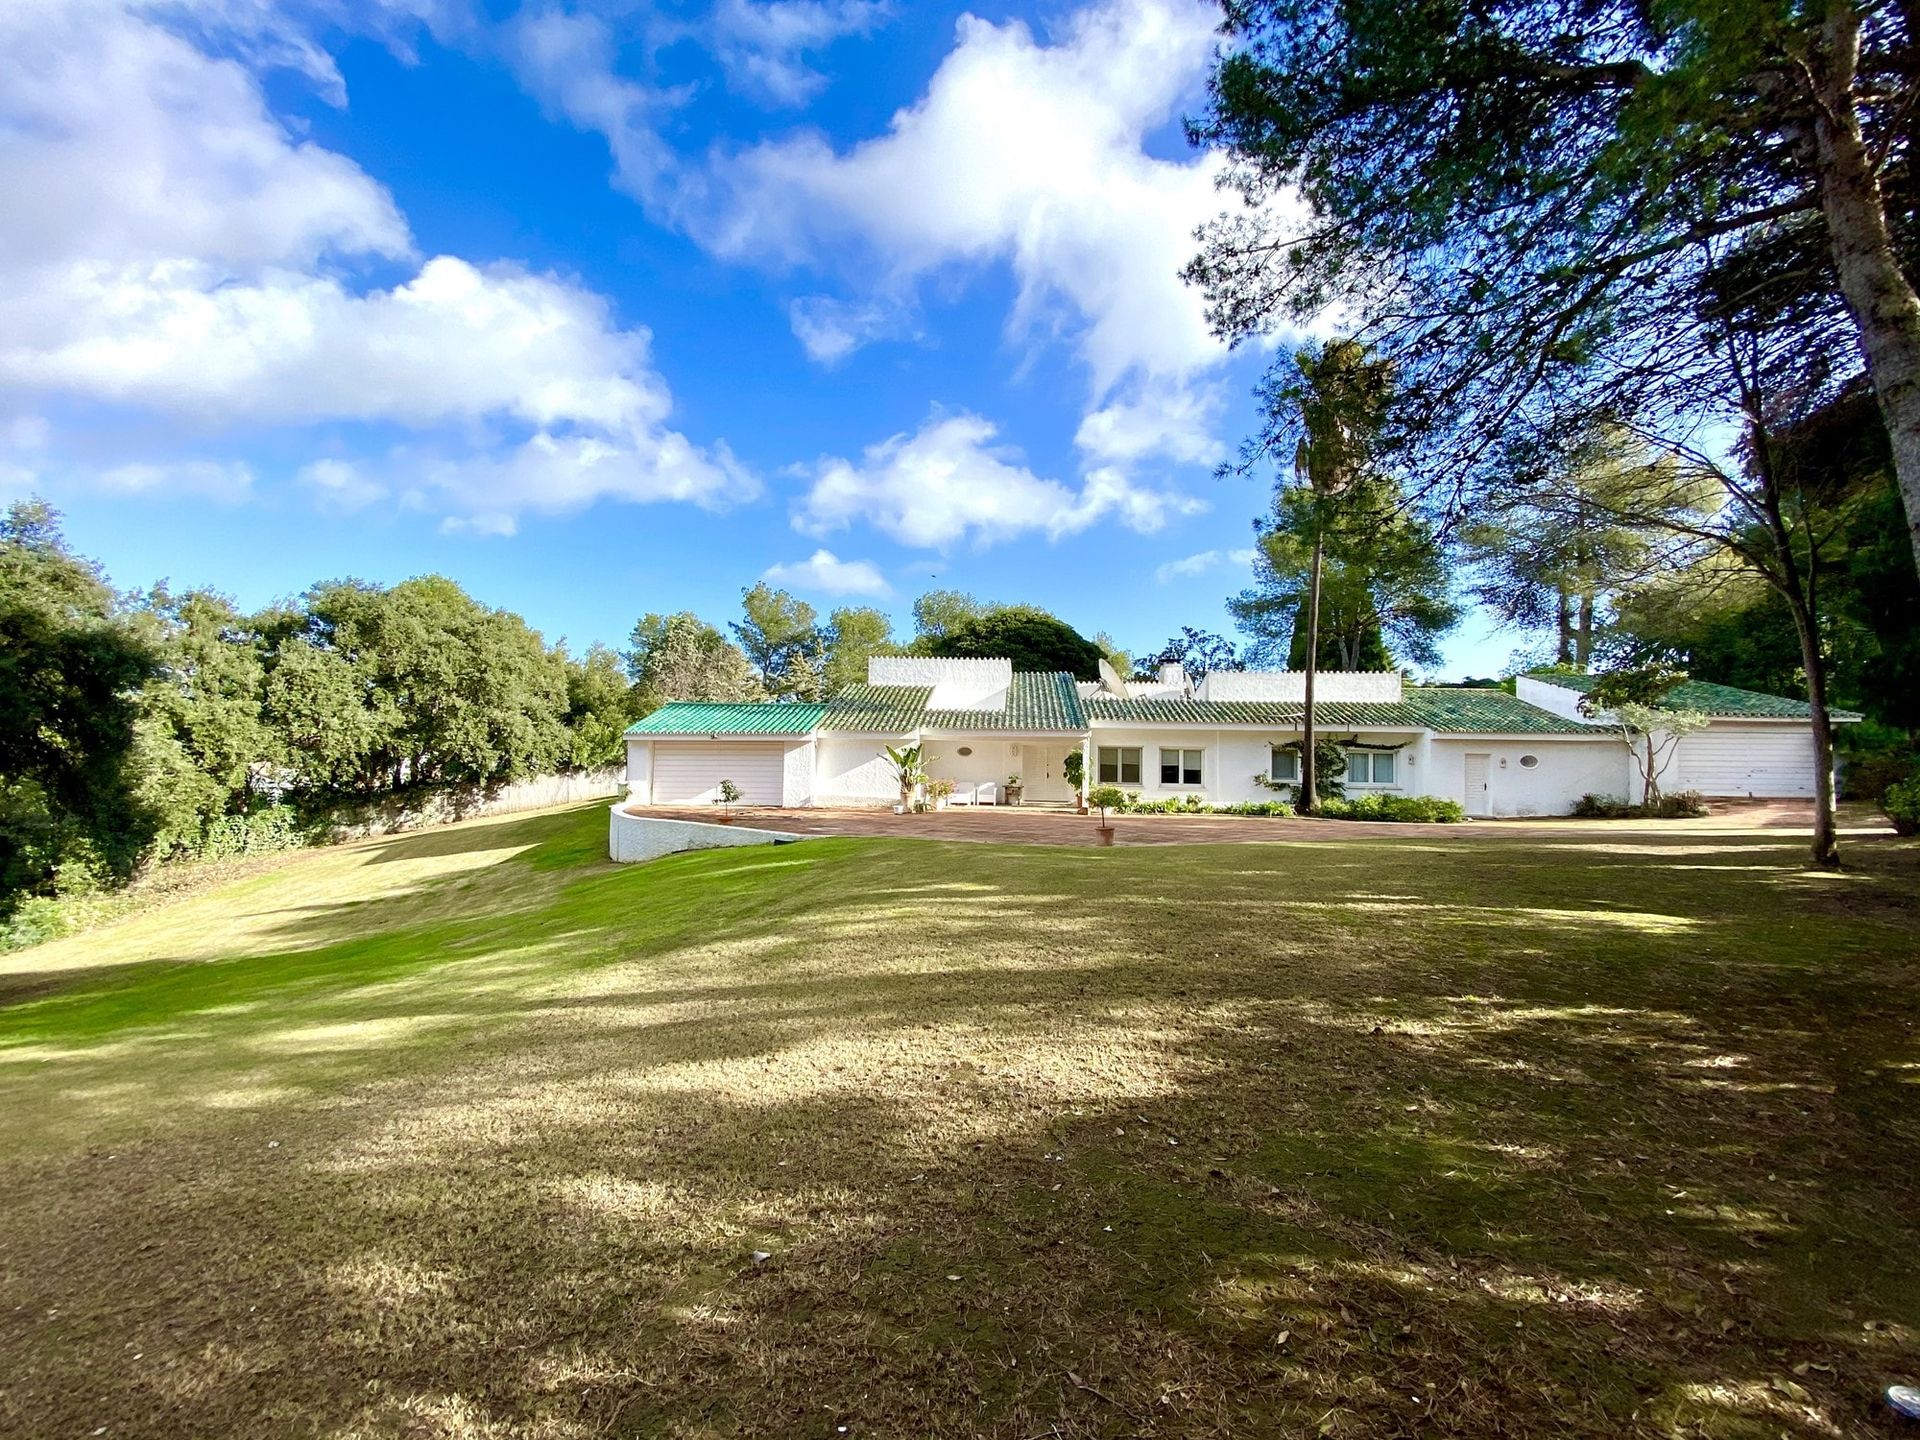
<point x="186" y="256"/>
<point x="949" y="483"/>
<point x="1199" y="564"/>
<point x="1027" y="153"/>
<point x="830" y="575"/>
<point x="1166" y="421"/>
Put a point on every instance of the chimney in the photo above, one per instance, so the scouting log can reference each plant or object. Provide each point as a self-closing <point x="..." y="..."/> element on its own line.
<point x="1173" y="676"/>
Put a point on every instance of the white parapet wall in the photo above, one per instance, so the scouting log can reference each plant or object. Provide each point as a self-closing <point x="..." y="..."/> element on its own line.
<point x="632" y="838"/>
<point x="958" y="684"/>
<point x="1358" y="686"/>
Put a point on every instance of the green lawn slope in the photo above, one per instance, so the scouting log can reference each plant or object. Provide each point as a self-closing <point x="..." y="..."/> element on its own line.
<point x="471" y="1134"/>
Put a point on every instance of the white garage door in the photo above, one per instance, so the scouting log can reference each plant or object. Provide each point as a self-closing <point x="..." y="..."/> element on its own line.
<point x="690" y="774"/>
<point x="1766" y="761"/>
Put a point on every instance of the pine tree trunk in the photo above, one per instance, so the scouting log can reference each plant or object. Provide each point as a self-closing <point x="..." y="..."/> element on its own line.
<point x="1309" y="779"/>
<point x="1563" y="618"/>
<point x="1826" y="842"/>
<point x="1583" y="642"/>
<point x="1878" y="294"/>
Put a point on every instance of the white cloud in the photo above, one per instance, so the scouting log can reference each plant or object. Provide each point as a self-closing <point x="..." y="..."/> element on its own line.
<point x="138" y="147"/>
<point x="763" y="44"/>
<point x="1027" y="153"/>
<point x="1167" y="420"/>
<point x="341" y="486"/>
<point x="830" y="330"/>
<point x="567" y="60"/>
<point x="211" y="479"/>
<point x="1206" y="560"/>
<point x="949" y="483"/>
<point x="455" y="342"/>
<point x="828" y="573"/>
<point x="185" y="256"/>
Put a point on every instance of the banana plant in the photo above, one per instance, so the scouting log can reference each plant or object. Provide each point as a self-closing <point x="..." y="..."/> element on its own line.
<point x="909" y="769"/>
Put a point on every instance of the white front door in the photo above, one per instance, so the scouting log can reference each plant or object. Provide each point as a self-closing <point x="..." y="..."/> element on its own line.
<point x="1043" y="775"/>
<point x="1479" y="789"/>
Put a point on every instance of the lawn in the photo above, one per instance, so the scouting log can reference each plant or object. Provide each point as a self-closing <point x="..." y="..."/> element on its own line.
<point x="469" y="1134"/>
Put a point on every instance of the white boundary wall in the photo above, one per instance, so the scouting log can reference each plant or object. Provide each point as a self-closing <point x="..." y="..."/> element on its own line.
<point x="413" y="809"/>
<point x="633" y="838"/>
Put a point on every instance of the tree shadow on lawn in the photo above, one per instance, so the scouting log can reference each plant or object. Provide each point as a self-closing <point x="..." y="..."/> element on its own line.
<point x="1227" y="1157"/>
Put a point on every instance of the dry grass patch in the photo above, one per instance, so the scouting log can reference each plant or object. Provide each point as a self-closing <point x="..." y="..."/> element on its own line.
<point x="472" y="1135"/>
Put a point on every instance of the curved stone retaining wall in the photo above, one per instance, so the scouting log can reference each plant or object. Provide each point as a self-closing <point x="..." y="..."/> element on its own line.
<point x="632" y="838"/>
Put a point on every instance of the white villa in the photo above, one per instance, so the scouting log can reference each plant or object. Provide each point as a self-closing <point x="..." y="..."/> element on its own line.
<point x="981" y="723"/>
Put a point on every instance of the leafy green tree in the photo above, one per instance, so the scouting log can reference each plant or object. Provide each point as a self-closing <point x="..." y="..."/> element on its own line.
<point x="600" y="705"/>
<point x="71" y="670"/>
<point x="471" y="693"/>
<point x="854" y="634"/>
<point x="1025" y="634"/>
<point x="1549" y="553"/>
<point x="939" y="613"/>
<point x="1110" y="650"/>
<point x="681" y="657"/>
<point x="334" y="727"/>
<point x="781" y="639"/>
<point x="1198" y="652"/>
<point x="204" y="735"/>
<point x="1499" y="192"/>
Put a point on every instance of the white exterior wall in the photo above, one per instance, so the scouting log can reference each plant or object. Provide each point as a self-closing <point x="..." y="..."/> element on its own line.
<point x="1370" y="686"/>
<point x="1229" y="761"/>
<point x="1745" y="758"/>
<point x="1569" y="768"/>
<point x="639" y="767"/>
<point x="958" y="684"/>
<point x="797" y="767"/>
<point x="854" y="770"/>
<point x="1555" y="699"/>
<point x="992" y="761"/>
<point x="634" y="838"/>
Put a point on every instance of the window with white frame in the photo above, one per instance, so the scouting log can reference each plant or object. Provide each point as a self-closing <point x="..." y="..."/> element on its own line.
<point x="1118" y="764"/>
<point x="1371" y="767"/>
<point x="1285" y="766"/>
<point x="1180" y="767"/>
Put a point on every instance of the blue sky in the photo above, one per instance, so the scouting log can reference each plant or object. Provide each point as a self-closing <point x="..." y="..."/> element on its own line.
<point x="608" y="307"/>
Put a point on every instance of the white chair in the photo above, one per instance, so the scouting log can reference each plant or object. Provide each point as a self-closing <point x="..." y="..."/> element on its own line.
<point x="986" y="793"/>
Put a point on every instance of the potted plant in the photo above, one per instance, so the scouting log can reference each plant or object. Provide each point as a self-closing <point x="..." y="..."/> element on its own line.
<point x="939" y="792"/>
<point x="1014" y="791"/>
<point x="1075" y="768"/>
<point x="1106" y="797"/>
<point x="909" y="771"/>
<point x="729" y="797"/>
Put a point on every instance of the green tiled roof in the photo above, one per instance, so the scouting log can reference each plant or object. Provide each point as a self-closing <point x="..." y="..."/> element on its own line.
<point x="1722" y="701"/>
<point x="1429" y="707"/>
<point x="714" y="717"/>
<point x="878" y="709"/>
<point x="1037" y="700"/>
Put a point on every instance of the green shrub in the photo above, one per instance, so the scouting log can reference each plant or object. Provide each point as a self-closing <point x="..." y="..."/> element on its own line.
<point x="1276" y="809"/>
<point x="1681" y="805"/>
<point x="1400" y="809"/>
<point x="1902" y="804"/>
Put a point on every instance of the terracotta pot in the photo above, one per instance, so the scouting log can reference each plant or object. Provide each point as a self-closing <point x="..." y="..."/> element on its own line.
<point x="1105" y="832"/>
